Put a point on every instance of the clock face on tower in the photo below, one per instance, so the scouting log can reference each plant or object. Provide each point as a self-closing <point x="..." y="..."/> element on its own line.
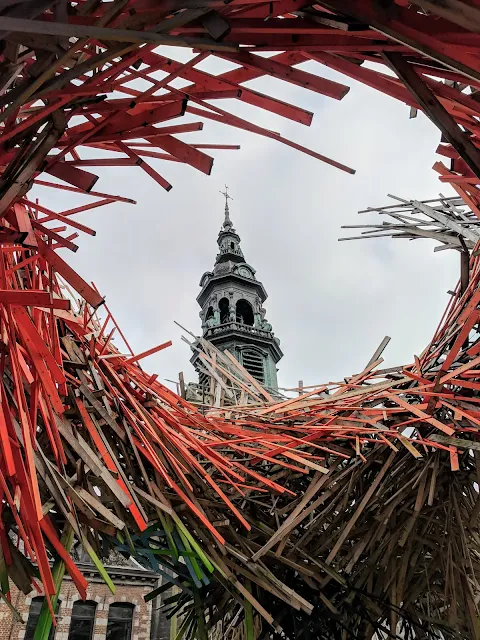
<point x="245" y="272"/>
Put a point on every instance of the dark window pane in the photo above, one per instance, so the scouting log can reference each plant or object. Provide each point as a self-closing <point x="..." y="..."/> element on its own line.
<point x="81" y="630"/>
<point x="120" y="612"/>
<point x="117" y="630"/>
<point x="84" y="609"/>
<point x="34" y="615"/>
<point x="83" y="620"/>
<point x="119" y="625"/>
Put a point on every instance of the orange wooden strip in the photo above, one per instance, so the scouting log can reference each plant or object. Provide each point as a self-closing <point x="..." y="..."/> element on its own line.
<point x="421" y="414"/>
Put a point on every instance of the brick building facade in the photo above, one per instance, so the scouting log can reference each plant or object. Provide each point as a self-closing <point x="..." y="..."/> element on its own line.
<point x="120" y="616"/>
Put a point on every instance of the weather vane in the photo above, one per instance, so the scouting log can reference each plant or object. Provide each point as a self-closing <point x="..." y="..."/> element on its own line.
<point x="226" y="194"/>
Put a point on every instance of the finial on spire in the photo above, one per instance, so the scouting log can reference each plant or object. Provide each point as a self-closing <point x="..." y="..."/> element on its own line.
<point x="227" y="223"/>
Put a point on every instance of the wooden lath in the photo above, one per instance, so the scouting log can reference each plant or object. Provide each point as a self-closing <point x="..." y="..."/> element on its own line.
<point x="225" y="382"/>
<point x="447" y="221"/>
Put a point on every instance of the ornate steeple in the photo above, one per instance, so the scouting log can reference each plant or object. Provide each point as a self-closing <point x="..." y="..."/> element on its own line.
<point x="232" y="313"/>
<point x="227" y="223"/>
<point x="228" y="240"/>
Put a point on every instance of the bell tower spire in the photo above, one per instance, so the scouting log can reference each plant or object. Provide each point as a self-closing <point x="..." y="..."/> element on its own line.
<point x="232" y="313"/>
<point x="227" y="223"/>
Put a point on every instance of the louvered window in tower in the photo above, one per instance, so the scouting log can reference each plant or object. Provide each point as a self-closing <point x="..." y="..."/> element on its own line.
<point x="253" y="362"/>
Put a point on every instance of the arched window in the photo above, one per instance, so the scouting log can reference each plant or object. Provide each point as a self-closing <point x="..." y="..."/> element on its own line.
<point x="83" y="620"/>
<point x="244" y="312"/>
<point x="223" y="306"/>
<point x="209" y="313"/>
<point x="253" y="361"/>
<point x="232" y="246"/>
<point x="33" y="617"/>
<point x="120" y="616"/>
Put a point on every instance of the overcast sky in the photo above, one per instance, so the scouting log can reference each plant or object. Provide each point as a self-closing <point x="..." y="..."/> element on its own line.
<point x="329" y="302"/>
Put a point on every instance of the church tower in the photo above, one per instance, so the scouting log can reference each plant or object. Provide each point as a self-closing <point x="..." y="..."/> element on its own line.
<point x="232" y="313"/>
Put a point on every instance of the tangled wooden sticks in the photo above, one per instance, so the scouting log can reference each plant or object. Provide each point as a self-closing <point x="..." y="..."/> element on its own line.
<point x="384" y="539"/>
<point x="349" y="511"/>
<point x="84" y="84"/>
<point x="386" y="542"/>
<point x="356" y="505"/>
<point x="96" y="449"/>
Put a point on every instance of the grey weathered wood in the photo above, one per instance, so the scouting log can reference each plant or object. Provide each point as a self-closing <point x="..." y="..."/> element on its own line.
<point x="181" y="380"/>
<point x="448" y="222"/>
<point x="461" y="443"/>
<point x="445" y="220"/>
<point x="378" y="352"/>
<point x="90" y="458"/>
